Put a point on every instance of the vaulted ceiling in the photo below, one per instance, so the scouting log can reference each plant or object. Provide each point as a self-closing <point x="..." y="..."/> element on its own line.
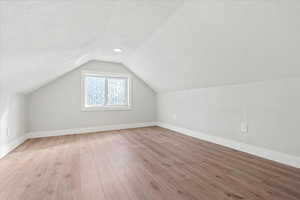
<point x="170" y="44"/>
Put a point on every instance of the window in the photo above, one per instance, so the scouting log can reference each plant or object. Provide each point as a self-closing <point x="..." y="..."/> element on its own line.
<point x="103" y="91"/>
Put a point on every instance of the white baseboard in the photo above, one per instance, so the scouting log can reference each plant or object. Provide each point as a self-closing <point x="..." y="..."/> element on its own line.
<point x="40" y="134"/>
<point x="6" y="148"/>
<point x="258" y="151"/>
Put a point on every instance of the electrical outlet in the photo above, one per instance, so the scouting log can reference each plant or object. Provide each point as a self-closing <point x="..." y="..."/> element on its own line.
<point x="244" y="127"/>
<point x="7" y="131"/>
<point x="174" y="116"/>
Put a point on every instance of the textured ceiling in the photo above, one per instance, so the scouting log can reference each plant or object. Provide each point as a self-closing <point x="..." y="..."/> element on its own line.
<point x="170" y="44"/>
<point x="211" y="43"/>
<point x="40" y="40"/>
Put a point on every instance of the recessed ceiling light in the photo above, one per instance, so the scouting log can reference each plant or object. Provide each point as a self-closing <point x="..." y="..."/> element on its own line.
<point x="118" y="50"/>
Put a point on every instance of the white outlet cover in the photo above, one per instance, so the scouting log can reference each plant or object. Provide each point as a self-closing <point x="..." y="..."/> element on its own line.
<point x="174" y="116"/>
<point x="244" y="127"/>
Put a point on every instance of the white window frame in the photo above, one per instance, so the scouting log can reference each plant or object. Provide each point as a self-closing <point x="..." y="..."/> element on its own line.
<point x="85" y="107"/>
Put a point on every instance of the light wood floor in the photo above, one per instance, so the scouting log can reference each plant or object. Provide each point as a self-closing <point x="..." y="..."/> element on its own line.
<point x="140" y="164"/>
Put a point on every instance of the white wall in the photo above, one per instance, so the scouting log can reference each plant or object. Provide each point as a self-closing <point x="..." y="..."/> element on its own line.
<point x="56" y="106"/>
<point x="271" y="109"/>
<point x="12" y="122"/>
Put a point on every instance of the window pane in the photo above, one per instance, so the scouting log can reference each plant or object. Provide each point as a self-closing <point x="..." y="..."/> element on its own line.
<point x="117" y="91"/>
<point x="95" y="90"/>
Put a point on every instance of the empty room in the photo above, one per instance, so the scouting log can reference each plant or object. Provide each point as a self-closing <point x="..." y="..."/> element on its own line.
<point x="149" y="99"/>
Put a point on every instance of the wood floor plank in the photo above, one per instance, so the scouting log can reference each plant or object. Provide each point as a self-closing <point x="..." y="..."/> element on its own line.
<point x="141" y="164"/>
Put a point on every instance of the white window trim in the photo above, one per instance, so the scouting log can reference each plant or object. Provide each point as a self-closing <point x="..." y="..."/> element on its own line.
<point x="84" y="107"/>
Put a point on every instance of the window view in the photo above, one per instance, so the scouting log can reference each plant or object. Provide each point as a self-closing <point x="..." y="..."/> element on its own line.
<point x="95" y="90"/>
<point x="106" y="91"/>
<point x="117" y="91"/>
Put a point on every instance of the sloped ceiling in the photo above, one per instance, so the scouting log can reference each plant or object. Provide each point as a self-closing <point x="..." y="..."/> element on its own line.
<point x="43" y="39"/>
<point x="170" y="44"/>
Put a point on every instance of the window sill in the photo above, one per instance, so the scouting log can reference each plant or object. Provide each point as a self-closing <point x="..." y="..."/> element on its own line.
<point x="106" y="108"/>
